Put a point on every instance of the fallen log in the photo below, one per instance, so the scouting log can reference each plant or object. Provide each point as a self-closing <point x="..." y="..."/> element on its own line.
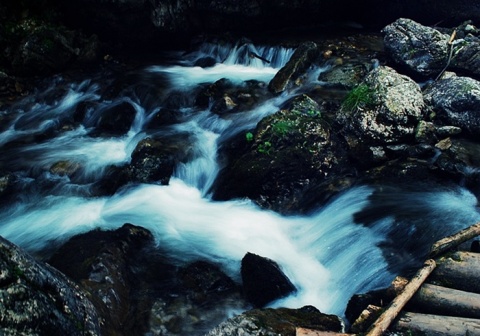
<point x="384" y="321"/>
<point x="311" y="332"/>
<point x="458" y="270"/>
<point x="365" y="319"/>
<point x="436" y="325"/>
<point x="449" y="242"/>
<point x="432" y="299"/>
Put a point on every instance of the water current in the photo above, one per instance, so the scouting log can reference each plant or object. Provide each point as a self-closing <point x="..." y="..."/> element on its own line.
<point x="356" y="242"/>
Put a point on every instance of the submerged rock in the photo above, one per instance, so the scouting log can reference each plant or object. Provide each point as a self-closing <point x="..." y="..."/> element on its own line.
<point x="274" y="322"/>
<point x="36" y="299"/>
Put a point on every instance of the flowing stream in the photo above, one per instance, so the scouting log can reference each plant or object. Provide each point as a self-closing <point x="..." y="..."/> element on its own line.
<point x="355" y="243"/>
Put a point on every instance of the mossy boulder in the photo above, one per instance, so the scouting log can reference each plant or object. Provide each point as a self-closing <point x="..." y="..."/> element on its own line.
<point x="287" y="153"/>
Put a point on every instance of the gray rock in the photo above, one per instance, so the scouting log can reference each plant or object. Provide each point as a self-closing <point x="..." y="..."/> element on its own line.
<point x="422" y="50"/>
<point x="274" y="322"/>
<point x="36" y="299"/>
<point x="456" y="102"/>
<point x="384" y="109"/>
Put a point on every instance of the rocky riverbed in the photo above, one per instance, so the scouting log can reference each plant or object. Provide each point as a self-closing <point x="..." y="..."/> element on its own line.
<point x="391" y="106"/>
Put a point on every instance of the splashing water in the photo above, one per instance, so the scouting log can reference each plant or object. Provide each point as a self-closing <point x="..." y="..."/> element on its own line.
<point x="329" y="254"/>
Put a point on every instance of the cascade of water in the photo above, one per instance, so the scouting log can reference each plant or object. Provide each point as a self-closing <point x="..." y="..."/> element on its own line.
<point x="326" y="254"/>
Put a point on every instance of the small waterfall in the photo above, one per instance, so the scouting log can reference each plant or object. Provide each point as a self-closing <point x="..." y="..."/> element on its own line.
<point x="355" y="243"/>
<point x="246" y="54"/>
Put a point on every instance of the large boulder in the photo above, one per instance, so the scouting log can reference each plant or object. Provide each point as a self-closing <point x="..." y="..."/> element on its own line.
<point x="427" y="52"/>
<point x="288" y="153"/>
<point x="456" y="102"/>
<point x="102" y="262"/>
<point x="274" y="322"/>
<point x="420" y="49"/>
<point x="36" y="299"/>
<point x="384" y="109"/>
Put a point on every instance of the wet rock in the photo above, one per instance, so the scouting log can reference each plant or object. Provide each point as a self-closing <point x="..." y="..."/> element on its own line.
<point x="224" y="105"/>
<point x="205" y="281"/>
<point x="420" y="49"/>
<point x="273" y="322"/>
<point x="116" y="120"/>
<point x="263" y="280"/>
<point x="154" y="159"/>
<point x="289" y="152"/>
<point x="65" y="168"/>
<point x="458" y="161"/>
<point x="385" y="109"/>
<point x="164" y="117"/>
<point x="345" y="76"/>
<point x="38" y="300"/>
<point x="102" y="262"/>
<point x="456" y="102"/>
<point x="301" y="60"/>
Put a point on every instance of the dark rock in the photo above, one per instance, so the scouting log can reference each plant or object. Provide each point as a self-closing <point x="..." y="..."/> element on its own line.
<point x="205" y="62"/>
<point x="206" y="282"/>
<point x="301" y="60"/>
<point x="164" y="117"/>
<point x="359" y="302"/>
<point x="154" y="159"/>
<point x="274" y="322"/>
<point x="224" y="105"/>
<point x="212" y="92"/>
<point x="456" y="102"/>
<point x="289" y="152"/>
<point x="102" y="261"/>
<point x="420" y="49"/>
<point x="39" y="300"/>
<point x="460" y="162"/>
<point x="263" y="280"/>
<point x="345" y="76"/>
<point x="117" y="119"/>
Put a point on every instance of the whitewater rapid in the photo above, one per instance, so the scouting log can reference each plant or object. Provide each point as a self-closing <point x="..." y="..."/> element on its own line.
<point x="330" y="254"/>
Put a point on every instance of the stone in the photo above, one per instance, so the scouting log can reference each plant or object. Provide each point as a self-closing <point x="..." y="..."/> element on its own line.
<point x="299" y="62"/>
<point x="117" y="119"/>
<point x="263" y="280"/>
<point x="456" y="102"/>
<point x="274" y="322"/>
<point x="36" y="299"/>
<point x="385" y="108"/>
<point x="421" y="50"/>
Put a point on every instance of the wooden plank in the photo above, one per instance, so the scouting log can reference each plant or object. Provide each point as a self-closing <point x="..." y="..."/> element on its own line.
<point x="449" y="242"/>
<point x="437" y="325"/>
<point x="459" y="270"/>
<point x="384" y="321"/>
<point x="440" y="300"/>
